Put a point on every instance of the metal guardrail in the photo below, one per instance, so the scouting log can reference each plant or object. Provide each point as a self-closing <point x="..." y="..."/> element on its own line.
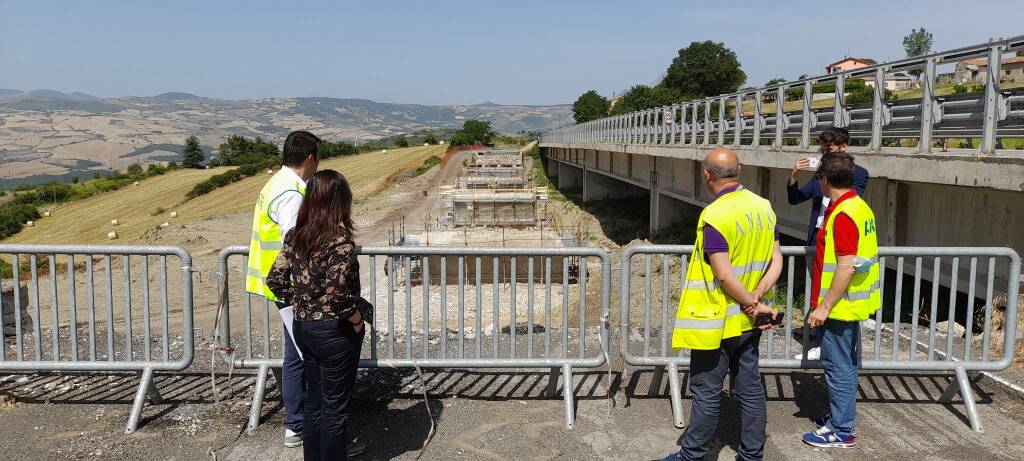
<point x="420" y="292"/>
<point x="989" y="116"/>
<point x="897" y="341"/>
<point x="101" y="331"/>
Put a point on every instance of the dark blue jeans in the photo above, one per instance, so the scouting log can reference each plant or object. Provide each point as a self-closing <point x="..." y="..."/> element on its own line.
<point x="293" y="389"/>
<point x="330" y="349"/>
<point x="738" y="357"/>
<point x="840" y="358"/>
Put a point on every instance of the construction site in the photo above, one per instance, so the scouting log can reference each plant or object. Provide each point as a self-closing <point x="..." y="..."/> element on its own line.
<point x="488" y="199"/>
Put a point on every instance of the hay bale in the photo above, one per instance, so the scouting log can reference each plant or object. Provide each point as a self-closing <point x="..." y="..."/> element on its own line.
<point x="165" y="224"/>
<point x="30" y="223"/>
<point x="174" y="214"/>
<point x="114" y="222"/>
<point x="136" y="183"/>
<point x="46" y="214"/>
<point x="426" y="144"/>
<point x="111" y="235"/>
<point x="384" y="151"/>
<point x="270" y="172"/>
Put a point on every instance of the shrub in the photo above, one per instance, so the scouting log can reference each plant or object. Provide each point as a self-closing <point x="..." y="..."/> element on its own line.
<point x="134" y="170"/>
<point x="234" y="175"/>
<point x="13" y="217"/>
<point x="427" y="165"/>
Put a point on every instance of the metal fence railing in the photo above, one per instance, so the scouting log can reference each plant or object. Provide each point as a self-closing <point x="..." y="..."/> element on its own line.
<point x="742" y="119"/>
<point x="95" y="308"/>
<point x="921" y="286"/>
<point x="449" y="307"/>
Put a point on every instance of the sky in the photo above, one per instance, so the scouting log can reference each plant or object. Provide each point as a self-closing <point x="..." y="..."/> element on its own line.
<point x="449" y="52"/>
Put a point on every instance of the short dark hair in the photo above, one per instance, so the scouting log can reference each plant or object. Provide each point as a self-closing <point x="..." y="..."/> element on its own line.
<point x="299" y="145"/>
<point x="837" y="169"/>
<point x="834" y="137"/>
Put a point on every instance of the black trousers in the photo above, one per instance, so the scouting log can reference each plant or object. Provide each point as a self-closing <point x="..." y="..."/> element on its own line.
<point x="330" y="350"/>
<point x="738" y="357"/>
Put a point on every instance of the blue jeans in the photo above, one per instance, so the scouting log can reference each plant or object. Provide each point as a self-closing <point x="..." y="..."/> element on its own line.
<point x="840" y="343"/>
<point x="738" y="356"/>
<point x="293" y="387"/>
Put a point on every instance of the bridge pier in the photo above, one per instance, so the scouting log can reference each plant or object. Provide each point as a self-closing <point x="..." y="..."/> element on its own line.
<point x="569" y="177"/>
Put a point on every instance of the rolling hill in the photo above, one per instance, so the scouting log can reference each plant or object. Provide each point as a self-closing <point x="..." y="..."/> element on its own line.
<point x="47" y="134"/>
<point x="143" y="207"/>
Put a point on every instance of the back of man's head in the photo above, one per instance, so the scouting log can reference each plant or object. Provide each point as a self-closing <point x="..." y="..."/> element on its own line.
<point x="837" y="169"/>
<point x="298" y="146"/>
<point x="721" y="163"/>
<point x="834" y="137"/>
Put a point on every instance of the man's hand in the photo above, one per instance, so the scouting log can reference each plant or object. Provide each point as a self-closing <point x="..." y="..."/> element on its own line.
<point x="801" y="164"/>
<point x="768" y="326"/>
<point x="818" y="316"/>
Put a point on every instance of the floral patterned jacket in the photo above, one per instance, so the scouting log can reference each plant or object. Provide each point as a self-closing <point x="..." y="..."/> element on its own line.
<point x="324" y="287"/>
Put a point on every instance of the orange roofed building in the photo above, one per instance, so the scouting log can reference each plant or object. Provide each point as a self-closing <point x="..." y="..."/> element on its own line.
<point x="848" y="64"/>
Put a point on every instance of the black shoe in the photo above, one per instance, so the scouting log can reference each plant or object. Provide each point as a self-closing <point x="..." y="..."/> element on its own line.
<point x="356" y="448"/>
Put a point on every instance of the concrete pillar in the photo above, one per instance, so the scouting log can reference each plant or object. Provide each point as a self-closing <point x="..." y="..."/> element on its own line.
<point x="569" y="176"/>
<point x="597" y="186"/>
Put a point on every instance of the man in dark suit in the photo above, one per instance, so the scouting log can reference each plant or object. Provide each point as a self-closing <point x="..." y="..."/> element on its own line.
<point x="831" y="140"/>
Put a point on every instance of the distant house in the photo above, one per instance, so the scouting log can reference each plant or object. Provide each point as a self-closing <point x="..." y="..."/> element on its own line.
<point x="848" y="64"/>
<point x="898" y="81"/>
<point x="976" y="70"/>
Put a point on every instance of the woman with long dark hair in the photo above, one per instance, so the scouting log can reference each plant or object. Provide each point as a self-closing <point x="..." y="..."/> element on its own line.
<point x="317" y="273"/>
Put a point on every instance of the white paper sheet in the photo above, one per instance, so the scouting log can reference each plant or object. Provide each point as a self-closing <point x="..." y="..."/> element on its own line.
<point x="287" y="318"/>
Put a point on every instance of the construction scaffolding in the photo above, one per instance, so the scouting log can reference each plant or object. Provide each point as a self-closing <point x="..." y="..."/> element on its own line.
<point x="493" y="191"/>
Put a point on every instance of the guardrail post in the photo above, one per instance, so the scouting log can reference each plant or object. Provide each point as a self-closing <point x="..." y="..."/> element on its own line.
<point x="757" y="119"/>
<point x="924" y="144"/>
<point x="780" y="115"/>
<point x="693" y="121"/>
<point x="839" y="110"/>
<point x="145" y="384"/>
<point x="675" y="395"/>
<point x="805" y="123"/>
<point x="988" y="129"/>
<point x="707" y="122"/>
<point x="738" y="128"/>
<point x="878" y="110"/>
<point x="722" y="125"/>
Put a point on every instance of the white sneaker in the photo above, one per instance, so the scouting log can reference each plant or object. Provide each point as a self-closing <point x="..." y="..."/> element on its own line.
<point x="813" y="353"/>
<point x="292" y="439"/>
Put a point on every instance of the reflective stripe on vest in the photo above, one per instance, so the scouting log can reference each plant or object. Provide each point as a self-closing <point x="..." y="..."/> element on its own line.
<point x="863" y="295"/>
<point x="706" y="314"/>
<point x="266" y="240"/>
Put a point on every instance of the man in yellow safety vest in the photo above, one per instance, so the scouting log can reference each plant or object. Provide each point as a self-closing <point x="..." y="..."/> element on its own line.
<point x="276" y="210"/>
<point x="736" y="261"/>
<point x="844" y="291"/>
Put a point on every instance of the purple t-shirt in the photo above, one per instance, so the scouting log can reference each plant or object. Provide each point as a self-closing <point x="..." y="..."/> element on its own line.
<point x="714" y="241"/>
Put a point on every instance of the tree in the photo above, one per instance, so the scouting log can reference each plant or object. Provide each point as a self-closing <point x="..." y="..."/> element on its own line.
<point x="239" y="150"/>
<point x="590" y="106"/>
<point x="478" y="131"/>
<point x="193" y="154"/>
<point x="641" y="97"/>
<point x="430" y="138"/>
<point x="917" y="43"/>
<point x="704" y="69"/>
<point x="460" y="138"/>
<point x="134" y="170"/>
<point x="775" y="81"/>
<point x="400" y="141"/>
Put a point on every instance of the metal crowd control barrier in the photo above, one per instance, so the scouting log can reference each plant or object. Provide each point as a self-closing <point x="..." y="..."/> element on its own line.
<point x="113" y="327"/>
<point x="714" y="121"/>
<point x="900" y="336"/>
<point x="420" y="292"/>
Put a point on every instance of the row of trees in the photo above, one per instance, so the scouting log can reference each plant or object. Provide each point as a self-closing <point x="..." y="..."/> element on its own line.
<point x="708" y="68"/>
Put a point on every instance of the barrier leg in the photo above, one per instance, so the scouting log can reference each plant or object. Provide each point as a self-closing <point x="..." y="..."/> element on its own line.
<point x="567" y="393"/>
<point x="659" y="374"/>
<point x="553" y="383"/>
<point x="960" y="383"/>
<point x="257" y="398"/>
<point x="675" y="395"/>
<point x="145" y="382"/>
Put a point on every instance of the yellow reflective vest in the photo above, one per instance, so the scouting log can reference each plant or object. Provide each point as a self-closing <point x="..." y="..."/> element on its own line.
<point x="267" y="240"/>
<point x="862" y="297"/>
<point x="706" y="314"/>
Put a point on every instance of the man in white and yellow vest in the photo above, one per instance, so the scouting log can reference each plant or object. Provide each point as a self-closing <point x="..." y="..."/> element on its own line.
<point x="735" y="261"/>
<point x="276" y="210"/>
<point x="844" y="291"/>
